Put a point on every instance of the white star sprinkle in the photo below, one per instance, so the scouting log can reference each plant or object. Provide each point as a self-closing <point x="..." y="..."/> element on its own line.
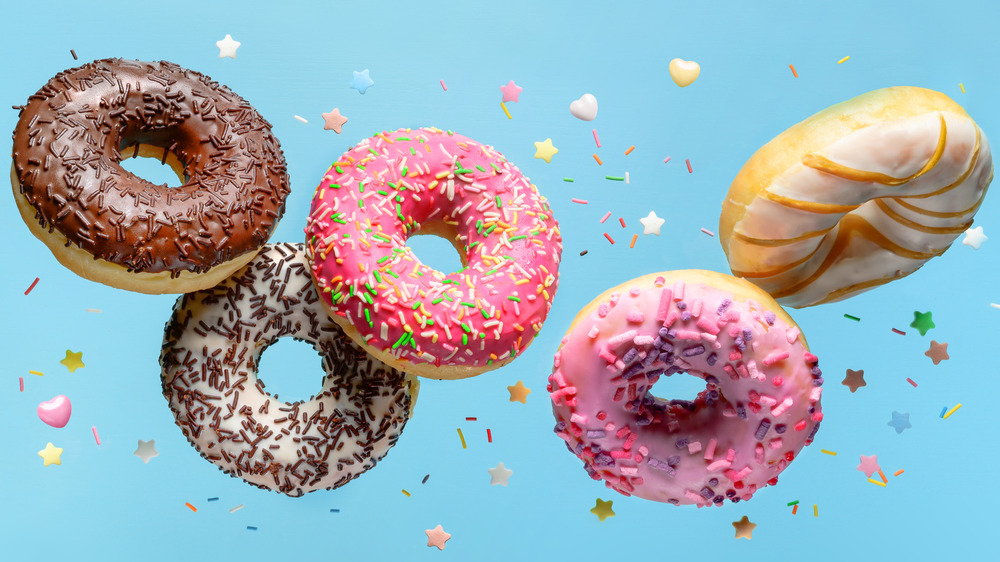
<point x="146" y="450"/>
<point x="974" y="237"/>
<point x="499" y="475"/>
<point x="227" y="47"/>
<point x="651" y="224"/>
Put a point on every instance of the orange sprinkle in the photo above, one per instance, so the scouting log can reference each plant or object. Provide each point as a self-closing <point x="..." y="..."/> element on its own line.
<point x="884" y="479"/>
<point x="462" y="437"/>
<point x="634" y="237"/>
<point x="599" y="163"/>
<point x="630" y="149"/>
<point x="795" y="74"/>
<point x="191" y="507"/>
<point x="898" y="472"/>
<point x="795" y="508"/>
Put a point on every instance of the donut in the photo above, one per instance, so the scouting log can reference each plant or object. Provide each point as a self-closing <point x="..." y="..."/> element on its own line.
<point x="860" y="194"/>
<point x="760" y="406"/>
<point x="427" y="181"/>
<point x="110" y="226"/>
<point x="211" y="349"/>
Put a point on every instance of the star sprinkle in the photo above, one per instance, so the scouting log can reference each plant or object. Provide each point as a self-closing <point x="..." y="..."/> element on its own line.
<point x="974" y="237"/>
<point x="854" y="380"/>
<point x="651" y="224"/>
<point x="362" y="81"/>
<point x="938" y="352"/>
<point x="499" y="475"/>
<point x="869" y="465"/>
<point x="744" y="528"/>
<point x="227" y="47"/>
<point x="73" y="361"/>
<point x="50" y="454"/>
<point x="437" y="537"/>
<point x="922" y="322"/>
<point x="519" y="393"/>
<point x="900" y="422"/>
<point x="334" y="121"/>
<point x="510" y="92"/>
<point x="146" y="450"/>
<point x="603" y="509"/>
<point x="545" y="150"/>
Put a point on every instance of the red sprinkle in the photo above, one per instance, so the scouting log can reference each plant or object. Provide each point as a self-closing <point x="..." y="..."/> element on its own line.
<point x="580" y="201"/>
<point x="489" y="435"/>
<point x="688" y="162"/>
<point x="610" y="239"/>
<point x="909" y="380"/>
<point x="20" y="381"/>
<point x="900" y="332"/>
<point x="622" y="220"/>
<point x="470" y="419"/>
<point x="795" y="508"/>
<point x="667" y="159"/>
<point x="33" y="283"/>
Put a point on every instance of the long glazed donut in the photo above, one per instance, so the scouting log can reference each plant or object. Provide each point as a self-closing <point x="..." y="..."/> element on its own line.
<point x="109" y="226"/>
<point x="860" y="194"/>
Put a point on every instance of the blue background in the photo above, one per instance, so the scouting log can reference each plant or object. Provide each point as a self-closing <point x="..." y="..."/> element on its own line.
<point x="298" y="58"/>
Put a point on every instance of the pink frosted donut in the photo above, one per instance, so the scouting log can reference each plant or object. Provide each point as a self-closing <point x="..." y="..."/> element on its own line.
<point x="445" y="326"/>
<point x="759" y="408"/>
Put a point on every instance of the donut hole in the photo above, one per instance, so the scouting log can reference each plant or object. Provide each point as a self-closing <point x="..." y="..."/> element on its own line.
<point x="285" y="375"/>
<point x="154" y="164"/>
<point x="433" y="245"/>
<point x="683" y="386"/>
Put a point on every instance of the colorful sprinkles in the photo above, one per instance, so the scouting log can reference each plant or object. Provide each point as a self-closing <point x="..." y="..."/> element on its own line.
<point x="33" y="283"/>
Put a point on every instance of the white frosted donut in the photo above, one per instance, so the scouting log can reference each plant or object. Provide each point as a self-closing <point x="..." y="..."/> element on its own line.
<point x="860" y="194"/>
<point x="211" y="349"/>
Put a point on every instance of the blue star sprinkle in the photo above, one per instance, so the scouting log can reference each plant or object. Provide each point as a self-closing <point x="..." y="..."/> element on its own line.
<point x="900" y="421"/>
<point x="362" y="81"/>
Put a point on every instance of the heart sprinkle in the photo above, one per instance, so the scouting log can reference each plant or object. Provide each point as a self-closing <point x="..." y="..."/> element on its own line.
<point x="684" y="72"/>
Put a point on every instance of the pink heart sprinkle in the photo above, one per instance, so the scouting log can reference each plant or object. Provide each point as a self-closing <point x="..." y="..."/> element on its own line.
<point x="55" y="412"/>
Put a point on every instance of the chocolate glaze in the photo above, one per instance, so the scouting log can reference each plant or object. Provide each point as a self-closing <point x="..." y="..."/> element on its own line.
<point x="67" y="154"/>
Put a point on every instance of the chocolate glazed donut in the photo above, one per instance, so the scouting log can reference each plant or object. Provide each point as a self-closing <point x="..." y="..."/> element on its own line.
<point x="110" y="226"/>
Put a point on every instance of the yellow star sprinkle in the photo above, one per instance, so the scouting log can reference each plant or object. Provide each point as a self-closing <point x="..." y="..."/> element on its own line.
<point x="744" y="528"/>
<point x="50" y="454"/>
<point x="519" y="392"/>
<point x="73" y="361"/>
<point x="603" y="509"/>
<point x="545" y="150"/>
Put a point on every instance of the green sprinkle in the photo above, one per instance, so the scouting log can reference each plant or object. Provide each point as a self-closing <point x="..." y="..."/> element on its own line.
<point x="351" y="290"/>
<point x="430" y="321"/>
<point x="402" y="339"/>
<point x="490" y="229"/>
<point x="381" y="237"/>
<point x="393" y="273"/>
<point x="339" y="170"/>
<point x="498" y="201"/>
<point x="570" y="180"/>
<point x="494" y="166"/>
<point x="416" y="305"/>
<point x="405" y="169"/>
<point x="361" y="204"/>
<point x="490" y="272"/>
<point x="335" y="185"/>
<point x="336" y="297"/>
<point x="413" y="152"/>
<point x="383" y="259"/>
<point x="486" y="315"/>
<point x="468" y="304"/>
<point x="372" y="150"/>
<point x="437" y="300"/>
<point x="513" y="298"/>
<point x="368" y="317"/>
<point x="402" y="138"/>
<point x="466" y="328"/>
<point x="370" y="289"/>
<point x="480" y="168"/>
<point x="382" y="192"/>
<point x="465" y="339"/>
<point x="614" y="178"/>
<point x="513" y="238"/>
<point x="378" y="278"/>
<point x="849" y="317"/>
<point x="793" y="503"/>
<point x="347" y="235"/>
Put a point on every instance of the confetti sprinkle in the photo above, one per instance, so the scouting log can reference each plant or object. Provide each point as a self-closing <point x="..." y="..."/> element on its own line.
<point x="961" y="87"/>
<point x="489" y="435"/>
<point x="882" y="476"/>
<point x="795" y="74"/>
<point x="580" y="201"/>
<point x="815" y="510"/>
<point x="545" y="150"/>
<point x="460" y="436"/>
<point x="51" y="455"/>
<point x="94" y="310"/>
<point x="943" y="410"/>
<point x="72" y="52"/>
<point x="651" y="223"/>
<point x="499" y="475"/>
<point x="869" y="465"/>
<point x="922" y="322"/>
<point x="824" y="451"/>
<point x="667" y="159"/>
<point x="235" y="509"/>
<point x="610" y="239"/>
<point x="251" y="528"/>
<point x="629" y="150"/>
<point x="708" y="232"/>
<point x="437" y="537"/>
<point x="471" y="419"/>
<point x="511" y="92"/>
<point x="744" y="528"/>
<point x="974" y="237"/>
<point x="20" y="381"/>
<point x="899" y="421"/>
<point x="596" y="139"/>
<point x="583" y="252"/>
<point x="334" y="510"/>
<point x="598" y="159"/>
<point x="443" y="87"/>
<point x="407" y="494"/>
<point x="792" y="503"/>
<point x="424" y="481"/>
<point x="519" y="393"/>
<point x="621" y="220"/>
<point x="606" y="217"/>
<point x="333" y="121"/>
<point x="877" y="482"/>
<point x="634" y="238"/>
<point x="952" y="411"/>
<point x="994" y="305"/>
<point x="146" y="450"/>
<point x="301" y="119"/>
<point x="603" y="509"/>
<point x="362" y="81"/>
<point x="898" y="472"/>
<point x="614" y="178"/>
<point x="570" y="180"/>
<point x="909" y="380"/>
<point x="843" y="59"/>
<point x="227" y="46"/>
<point x="33" y="283"/>
<point x="191" y="507"/>
<point x="37" y="373"/>
<point x="73" y="361"/>
<point x="626" y="178"/>
<point x="688" y="162"/>
<point x="900" y="332"/>
<point x="795" y="509"/>
<point x="854" y="380"/>
<point x="213" y="499"/>
<point x="855" y="318"/>
<point x="504" y="107"/>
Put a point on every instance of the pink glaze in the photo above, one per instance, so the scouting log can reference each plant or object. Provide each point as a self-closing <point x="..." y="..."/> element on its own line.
<point x="759" y="408"/>
<point x="380" y="193"/>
